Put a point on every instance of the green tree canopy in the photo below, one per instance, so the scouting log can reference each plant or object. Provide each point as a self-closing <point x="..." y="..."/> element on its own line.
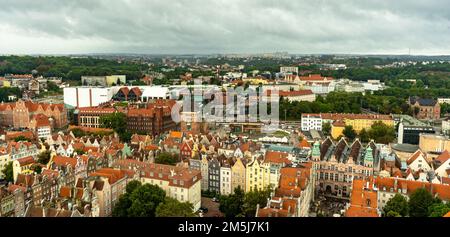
<point x="231" y="205"/>
<point x="326" y="129"/>
<point x="117" y="122"/>
<point x="44" y="157"/>
<point x="393" y="214"/>
<point x="141" y="202"/>
<point x="349" y="132"/>
<point x="364" y="136"/>
<point x="8" y="172"/>
<point x="398" y="205"/>
<point x="21" y="138"/>
<point x="242" y="204"/>
<point x="174" y="208"/>
<point x="166" y="159"/>
<point x="252" y="199"/>
<point x="438" y="209"/>
<point x="419" y="202"/>
<point x="382" y="133"/>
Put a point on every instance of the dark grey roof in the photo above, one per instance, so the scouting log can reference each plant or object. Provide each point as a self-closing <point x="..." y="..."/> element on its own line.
<point x="405" y="147"/>
<point x="422" y="102"/>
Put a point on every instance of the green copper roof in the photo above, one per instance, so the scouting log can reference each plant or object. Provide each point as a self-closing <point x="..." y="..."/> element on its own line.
<point x="369" y="155"/>
<point x="316" y="149"/>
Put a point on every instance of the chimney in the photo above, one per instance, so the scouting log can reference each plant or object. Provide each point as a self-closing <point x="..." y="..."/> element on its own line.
<point x="395" y="184"/>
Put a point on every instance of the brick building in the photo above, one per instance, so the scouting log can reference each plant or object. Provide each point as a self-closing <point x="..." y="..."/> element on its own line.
<point x="427" y="108"/>
<point x="19" y="114"/>
<point x="154" y="118"/>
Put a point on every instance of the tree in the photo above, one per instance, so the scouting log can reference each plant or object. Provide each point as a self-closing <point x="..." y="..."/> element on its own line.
<point x="326" y="129"/>
<point x="419" y="202"/>
<point x="382" y="133"/>
<point x="79" y="152"/>
<point x="8" y="173"/>
<point x="142" y="201"/>
<point x="44" y="157"/>
<point x="166" y="159"/>
<point x="349" y="132"/>
<point x="145" y="200"/>
<point x="78" y="132"/>
<point x="231" y="205"/>
<point x="398" y="205"/>
<point x="117" y="122"/>
<point x="393" y="214"/>
<point x="122" y="206"/>
<point x="132" y="185"/>
<point x="174" y="208"/>
<point x="37" y="168"/>
<point x="438" y="209"/>
<point x="21" y="138"/>
<point x="364" y="136"/>
<point x="252" y="199"/>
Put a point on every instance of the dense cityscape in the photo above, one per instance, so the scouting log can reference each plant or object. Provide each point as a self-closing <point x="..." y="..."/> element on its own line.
<point x="208" y="117"/>
<point x="124" y="136"/>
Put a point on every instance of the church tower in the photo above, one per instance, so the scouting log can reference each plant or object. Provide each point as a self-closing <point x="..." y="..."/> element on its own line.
<point x="315" y="154"/>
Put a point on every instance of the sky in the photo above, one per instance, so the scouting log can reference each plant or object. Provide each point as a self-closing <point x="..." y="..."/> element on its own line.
<point x="421" y="27"/>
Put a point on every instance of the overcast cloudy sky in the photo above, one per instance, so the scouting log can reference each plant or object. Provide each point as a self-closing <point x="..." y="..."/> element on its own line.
<point x="224" y="26"/>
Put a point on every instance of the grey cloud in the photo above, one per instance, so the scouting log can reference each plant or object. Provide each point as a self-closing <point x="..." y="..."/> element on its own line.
<point x="210" y="26"/>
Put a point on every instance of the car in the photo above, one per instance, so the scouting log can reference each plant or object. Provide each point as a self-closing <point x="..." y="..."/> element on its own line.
<point x="204" y="209"/>
<point x="214" y="199"/>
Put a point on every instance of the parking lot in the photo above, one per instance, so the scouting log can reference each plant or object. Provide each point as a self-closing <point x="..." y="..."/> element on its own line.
<point x="213" y="208"/>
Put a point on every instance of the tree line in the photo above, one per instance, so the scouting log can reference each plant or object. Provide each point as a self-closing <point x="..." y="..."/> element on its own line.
<point x="421" y="203"/>
<point x="69" y="68"/>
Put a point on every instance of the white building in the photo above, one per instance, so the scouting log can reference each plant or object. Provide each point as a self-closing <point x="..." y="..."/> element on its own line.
<point x="288" y="70"/>
<point x="154" y="92"/>
<point x="44" y="132"/>
<point x="311" y="122"/>
<point x="443" y="100"/>
<point x="88" y="96"/>
<point x="4" y="160"/>
<point x="442" y="164"/>
<point x="418" y="162"/>
<point x="225" y="180"/>
<point x="321" y="88"/>
<point x="446" y="126"/>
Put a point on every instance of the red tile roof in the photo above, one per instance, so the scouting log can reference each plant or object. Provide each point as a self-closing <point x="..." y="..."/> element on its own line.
<point x="443" y="157"/>
<point x="363" y="200"/>
<point x="64" y="161"/>
<point x="316" y="77"/>
<point x="414" y="157"/>
<point x="291" y="93"/>
<point x="277" y="157"/>
<point x="304" y="144"/>
<point x="26" y="161"/>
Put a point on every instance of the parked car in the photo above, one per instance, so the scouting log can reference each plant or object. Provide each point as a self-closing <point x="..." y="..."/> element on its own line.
<point x="204" y="209"/>
<point x="214" y="199"/>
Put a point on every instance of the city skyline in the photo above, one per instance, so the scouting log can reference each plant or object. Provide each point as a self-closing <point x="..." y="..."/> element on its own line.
<point x="225" y="27"/>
